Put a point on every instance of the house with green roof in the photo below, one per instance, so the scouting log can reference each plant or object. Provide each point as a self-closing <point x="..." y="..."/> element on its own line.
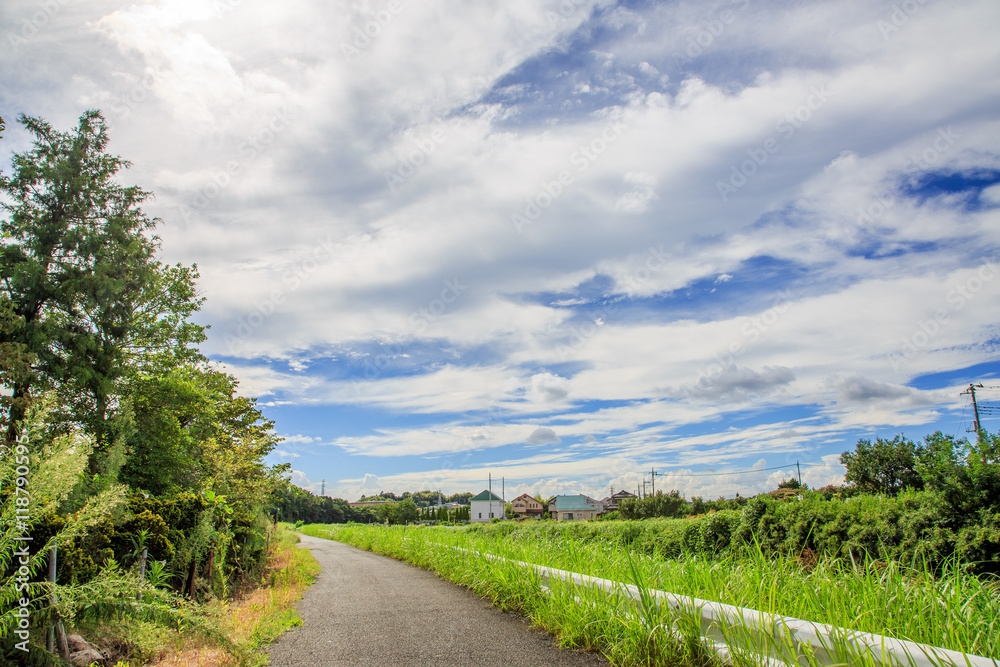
<point x="487" y="506"/>
<point x="572" y="508"/>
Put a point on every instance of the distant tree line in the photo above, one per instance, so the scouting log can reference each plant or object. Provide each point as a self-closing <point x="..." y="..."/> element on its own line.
<point x="421" y="498"/>
<point x="292" y="503"/>
<point x="673" y="505"/>
<point x="445" y="513"/>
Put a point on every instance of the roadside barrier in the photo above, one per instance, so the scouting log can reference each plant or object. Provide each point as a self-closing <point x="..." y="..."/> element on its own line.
<point x="778" y="640"/>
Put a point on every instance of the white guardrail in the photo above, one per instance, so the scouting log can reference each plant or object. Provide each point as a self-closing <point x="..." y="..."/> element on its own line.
<point x="778" y="640"/>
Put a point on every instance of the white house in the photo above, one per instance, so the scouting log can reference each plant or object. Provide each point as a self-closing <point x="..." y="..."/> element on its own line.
<point x="487" y="506"/>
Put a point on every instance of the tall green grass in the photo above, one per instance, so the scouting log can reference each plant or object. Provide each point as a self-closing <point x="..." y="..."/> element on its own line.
<point x="950" y="609"/>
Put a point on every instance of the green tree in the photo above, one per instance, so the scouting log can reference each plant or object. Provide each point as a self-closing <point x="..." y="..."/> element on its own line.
<point x="15" y="360"/>
<point x="461" y="498"/>
<point x="406" y="511"/>
<point x="885" y="466"/>
<point x="386" y="513"/>
<point x="90" y="301"/>
<point x="193" y="430"/>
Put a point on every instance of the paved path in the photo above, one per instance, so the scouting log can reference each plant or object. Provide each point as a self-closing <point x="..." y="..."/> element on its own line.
<point x="367" y="610"/>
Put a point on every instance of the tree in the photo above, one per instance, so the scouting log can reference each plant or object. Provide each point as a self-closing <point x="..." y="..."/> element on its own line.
<point x="15" y="360"/>
<point x="406" y="511"/>
<point x="887" y="466"/>
<point x="193" y="431"/>
<point x="671" y="505"/>
<point x="460" y="498"/>
<point x="967" y="475"/>
<point x="89" y="300"/>
<point x="15" y="363"/>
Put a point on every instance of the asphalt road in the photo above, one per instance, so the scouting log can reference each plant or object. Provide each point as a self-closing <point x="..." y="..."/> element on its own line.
<point x="367" y="610"/>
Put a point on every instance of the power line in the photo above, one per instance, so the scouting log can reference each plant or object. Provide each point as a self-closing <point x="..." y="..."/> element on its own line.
<point x="738" y="472"/>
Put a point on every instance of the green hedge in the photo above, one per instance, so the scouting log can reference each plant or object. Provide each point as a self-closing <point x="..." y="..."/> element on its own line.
<point x="915" y="528"/>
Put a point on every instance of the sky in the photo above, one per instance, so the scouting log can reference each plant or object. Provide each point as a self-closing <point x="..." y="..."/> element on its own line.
<point x="562" y="244"/>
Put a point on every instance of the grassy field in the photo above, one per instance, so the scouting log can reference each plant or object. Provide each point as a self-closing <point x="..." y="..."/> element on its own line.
<point x="950" y="609"/>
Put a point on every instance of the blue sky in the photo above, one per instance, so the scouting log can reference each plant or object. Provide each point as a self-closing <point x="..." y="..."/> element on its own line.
<point x="562" y="243"/>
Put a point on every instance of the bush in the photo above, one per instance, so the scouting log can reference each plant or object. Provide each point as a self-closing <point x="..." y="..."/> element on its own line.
<point x="715" y="531"/>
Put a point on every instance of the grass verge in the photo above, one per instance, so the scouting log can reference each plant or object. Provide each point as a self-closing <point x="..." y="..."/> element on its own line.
<point x="952" y="609"/>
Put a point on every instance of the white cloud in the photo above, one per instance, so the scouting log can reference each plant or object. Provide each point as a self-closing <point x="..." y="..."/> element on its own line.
<point x="301" y="439"/>
<point x="326" y="287"/>
<point x="548" y="387"/>
<point x="543" y="436"/>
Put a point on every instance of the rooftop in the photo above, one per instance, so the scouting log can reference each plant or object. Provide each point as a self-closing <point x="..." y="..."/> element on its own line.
<point x="572" y="504"/>
<point x="485" y="495"/>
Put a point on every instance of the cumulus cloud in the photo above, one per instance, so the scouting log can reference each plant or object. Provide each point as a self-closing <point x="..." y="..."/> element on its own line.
<point x="735" y="382"/>
<point x="548" y="387"/>
<point x="543" y="436"/>
<point x="299" y="478"/>
<point x="858" y="388"/>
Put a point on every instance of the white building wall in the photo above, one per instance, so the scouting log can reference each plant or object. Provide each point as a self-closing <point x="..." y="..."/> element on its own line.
<point x="481" y="510"/>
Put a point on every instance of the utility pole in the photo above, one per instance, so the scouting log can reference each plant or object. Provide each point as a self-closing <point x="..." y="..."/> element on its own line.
<point x="975" y="406"/>
<point x="643" y="488"/>
<point x="799" y="470"/>
<point x="653" y="474"/>
<point x="322" y="490"/>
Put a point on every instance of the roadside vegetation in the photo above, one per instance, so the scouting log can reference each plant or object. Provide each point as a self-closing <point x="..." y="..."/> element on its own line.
<point x="950" y="609"/>
<point x="909" y="548"/>
<point x="249" y="623"/>
<point x="118" y="437"/>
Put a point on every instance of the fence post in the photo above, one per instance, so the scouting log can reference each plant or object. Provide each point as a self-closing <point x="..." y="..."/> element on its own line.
<point x="142" y="570"/>
<point x="56" y="631"/>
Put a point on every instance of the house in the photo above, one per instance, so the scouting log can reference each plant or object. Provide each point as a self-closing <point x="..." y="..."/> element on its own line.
<point x="487" y="506"/>
<point x="611" y="502"/>
<point x="598" y="505"/>
<point x="524" y="505"/>
<point x="572" y="508"/>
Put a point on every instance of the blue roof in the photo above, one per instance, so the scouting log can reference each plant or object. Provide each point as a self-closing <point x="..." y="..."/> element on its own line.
<point x="572" y="504"/>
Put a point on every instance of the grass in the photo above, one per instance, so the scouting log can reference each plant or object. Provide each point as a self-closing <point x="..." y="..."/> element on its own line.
<point x="952" y="610"/>
<point x="251" y="623"/>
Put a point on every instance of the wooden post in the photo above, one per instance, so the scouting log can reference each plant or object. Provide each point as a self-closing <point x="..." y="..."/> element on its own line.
<point x="142" y="570"/>
<point x="58" y="631"/>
